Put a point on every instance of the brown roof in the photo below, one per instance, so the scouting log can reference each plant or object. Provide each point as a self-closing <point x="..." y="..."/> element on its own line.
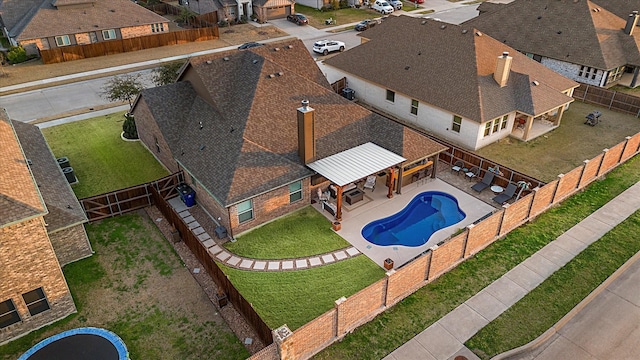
<point x="248" y="117"/>
<point x="101" y="15"/>
<point x="62" y="204"/>
<point x="578" y="32"/>
<point x="19" y="195"/>
<point x="451" y="67"/>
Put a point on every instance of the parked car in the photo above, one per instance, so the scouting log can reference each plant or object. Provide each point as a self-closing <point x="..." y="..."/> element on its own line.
<point x="396" y="4"/>
<point x="365" y="24"/>
<point x="324" y="47"/>
<point x="249" y="45"/>
<point x="298" y="19"/>
<point x="382" y="7"/>
<point x="417" y="1"/>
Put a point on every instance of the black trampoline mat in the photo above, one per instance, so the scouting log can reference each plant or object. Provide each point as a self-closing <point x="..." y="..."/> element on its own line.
<point x="78" y="347"/>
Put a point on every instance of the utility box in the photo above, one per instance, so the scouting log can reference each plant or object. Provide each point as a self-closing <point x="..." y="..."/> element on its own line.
<point x="388" y="264"/>
<point x="63" y="162"/>
<point x="349" y="93"/>
<point x="187" y="194"/>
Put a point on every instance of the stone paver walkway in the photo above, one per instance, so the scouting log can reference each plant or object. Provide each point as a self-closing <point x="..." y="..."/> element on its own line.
<point x="445" y="339"/>
<point x="238" y="262"/>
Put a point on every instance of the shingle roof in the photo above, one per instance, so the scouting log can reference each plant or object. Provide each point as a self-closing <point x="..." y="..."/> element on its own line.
<point x="249" y="125"/>
<point x="451" y="67"/>
<point x="564" y="30"/>
<point x="19" y="195"/>
<point x="622" y="8"/>
<point x="62" y="204"/>
<point x="49" y="21"/>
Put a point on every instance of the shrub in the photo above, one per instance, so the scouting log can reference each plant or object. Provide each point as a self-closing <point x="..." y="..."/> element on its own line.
<point x="17" y="54"/>
<point x="129" y="127"/>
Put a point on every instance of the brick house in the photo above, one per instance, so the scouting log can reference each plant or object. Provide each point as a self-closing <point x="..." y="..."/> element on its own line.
<point x="453" y="81"/>
<point x="40" y="228"/>
<point x="594" y="42"/>
<point x="262" y="10"/>
<point x="47" y="24"/>
<point x="232" y="123"/>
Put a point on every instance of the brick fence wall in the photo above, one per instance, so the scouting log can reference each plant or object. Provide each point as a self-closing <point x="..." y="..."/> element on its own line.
<point x="363" y="306"/>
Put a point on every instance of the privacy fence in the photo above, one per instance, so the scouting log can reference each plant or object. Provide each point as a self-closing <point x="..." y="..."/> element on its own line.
<point x="610" y="99"/>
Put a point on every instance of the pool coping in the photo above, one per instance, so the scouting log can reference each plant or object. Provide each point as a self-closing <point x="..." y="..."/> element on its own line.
<point x="123" y="353"/>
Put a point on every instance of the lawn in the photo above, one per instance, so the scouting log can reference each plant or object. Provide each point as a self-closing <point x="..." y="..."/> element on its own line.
<point x="101" y="160"/>
<point x="297" y="297"/>
<point x="342" y="16"/>
<point x="566" y="147"/>
<point x="399" y="324"/>
<point x="303" y="233"/>
<point x="136" y="286"/>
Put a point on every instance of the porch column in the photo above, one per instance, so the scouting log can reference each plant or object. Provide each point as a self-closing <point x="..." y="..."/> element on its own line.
<point x="392" y="179"/>
<point x="527" y="128"/>
<point x="559" y="115"/>
<point x="634" y="81"/>
<point x="339" y="204"/>
<point x="434" y="165"/>
<point x="399" y="190"/>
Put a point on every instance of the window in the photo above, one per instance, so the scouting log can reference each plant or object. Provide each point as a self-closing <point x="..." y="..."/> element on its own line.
<point x="157" y="27"/>
<point x="496" y="125"/>
<point x="487" y="128"/>
<point x="457" y="123"/>
<point x="63" y="40"/>
<point x="414" y="107"/>
<point x="537" y="58"/>
<point x="245" y="211"/>
<point x="587" y="72"/>
<point x="391" y="96"/>
<point x="36" y="301"/>
<point x="8" y="314"/>
<point x="615" y="74"/>
<point x="295" y="191"/>
<point x="109" y="34"/>
<point x="505" y="119"/>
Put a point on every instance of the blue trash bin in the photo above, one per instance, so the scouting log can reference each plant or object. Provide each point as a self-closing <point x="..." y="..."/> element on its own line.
<point x="187" y="194"/>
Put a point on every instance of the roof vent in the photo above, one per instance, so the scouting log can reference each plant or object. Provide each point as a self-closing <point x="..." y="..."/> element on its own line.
<point x="225" y="58"/>
<point x="255" y="61"/>
<point x="407" y="67"/>
<point x="305" y="103"/>
<point x="423" y="22"/>
<point x="95" y="26"/>
<point x="271" y="76"/>
<point x="535" y="83"/>
<point x="559" y="32"/>
<point x="112" y="10"/>
<point x="200" y="125"/>
<point x="276" y="49"/>
<point x="209" y="62"/>
<point x="442" y="27"/>
<point x="280" y="73"/>
<point x="464" y="31"/>
<point x="289" y="46"/>
<point x="202" y="147"/>
<point x="539" y="17"/>
<point x="478" y="33"/>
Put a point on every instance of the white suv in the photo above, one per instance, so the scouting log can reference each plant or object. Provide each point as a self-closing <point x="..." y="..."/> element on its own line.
<point x="382" y="7"/>
<point x="324" y="47"/>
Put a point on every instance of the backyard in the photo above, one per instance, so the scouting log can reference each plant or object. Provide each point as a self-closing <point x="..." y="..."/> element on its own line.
<point x="101" y="160"/>
<point x="136" y="286"/>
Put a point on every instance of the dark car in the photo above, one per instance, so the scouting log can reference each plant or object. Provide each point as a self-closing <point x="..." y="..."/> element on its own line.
<point x="298" y="19"/>
<point x="365" y="24"/>
<point x="249" y="45"/>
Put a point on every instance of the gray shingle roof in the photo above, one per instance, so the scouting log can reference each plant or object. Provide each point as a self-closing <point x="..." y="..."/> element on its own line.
<point x="449" y="66"/>
<point x="564" y="30"/>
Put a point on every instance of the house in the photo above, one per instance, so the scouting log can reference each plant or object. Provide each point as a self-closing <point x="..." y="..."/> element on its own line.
<point x="248" y="126"/>
<point x="593" y="42"/>
<point x="273" y="9"/>
<point x="453" y="81"/>
<point x="48" y="24"/>
<point x="40" y="230"/>
<point x="261" y="10"/>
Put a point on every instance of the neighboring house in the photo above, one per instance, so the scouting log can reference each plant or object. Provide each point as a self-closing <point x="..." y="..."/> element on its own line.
<point x="40" y="228"/>
<point x="48" y="24"/>
<point x="262" y="10"/>
<point x="235" y="125"/>
<point x="588" y="41"/>
<point x="453" y="81"/>
<point x="266" y="10"/>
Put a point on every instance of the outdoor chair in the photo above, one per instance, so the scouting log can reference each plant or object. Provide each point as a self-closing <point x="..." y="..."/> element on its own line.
<point x="473" y="173"/>
<point x="506" y="195"/>
<point x="323" y="196"/>
<point x="485" y="183"/>
<point x="370" y="183"/>
<point x="457" y="166"/>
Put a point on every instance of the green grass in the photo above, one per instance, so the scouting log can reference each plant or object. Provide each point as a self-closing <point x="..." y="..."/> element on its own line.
<point x="399" y="324"/>
<point x="101" y="160"/>
<point x="303" y="233"/>
<point x="342" y="16"/>
<point x="297" y="297"/>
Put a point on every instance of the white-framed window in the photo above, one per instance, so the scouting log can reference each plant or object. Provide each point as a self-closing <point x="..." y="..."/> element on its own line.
<point x="8" y="314"/>
<point x="505" y="119"/>
<point x="414" y="107"/>
<point x="109" y="34"/>
<point x="36" y="301"/>
<point x="63" y="40"/>
<point x="295" y="191"/>
<point x="391" y="96"/>
<point x="588" y="72"/>
<point x="457" y="123"/>
<point x="487" y="128"/>
<point x="496" y="125"/>
<point x="159" y="27"/>
<point x="245" y="211"/>
<point x="615" y="74"/>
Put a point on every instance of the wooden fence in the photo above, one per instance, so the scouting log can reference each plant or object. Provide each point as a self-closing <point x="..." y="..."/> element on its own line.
<point x="76" y="52"/>
<point x="610" y="99"/>
<point x="129" y="199"/>
<point x="206" y="259"/>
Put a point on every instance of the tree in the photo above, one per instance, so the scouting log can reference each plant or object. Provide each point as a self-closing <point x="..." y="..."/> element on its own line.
<point x="167" y="73"/>
<point x="122" y="88"/>
<point x="129" y="127"/>
<point x="185" y="15"/>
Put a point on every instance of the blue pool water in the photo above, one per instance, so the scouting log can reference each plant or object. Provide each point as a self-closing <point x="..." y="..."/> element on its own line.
<point x="427" y="213"/>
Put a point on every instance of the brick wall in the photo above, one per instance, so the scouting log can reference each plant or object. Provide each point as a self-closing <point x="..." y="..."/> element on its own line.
<point x="515" y="214"/>
<point x="142" y="30"/>
<point x="148" y="132"/>
<point x="447" y="255"/>
<point x="310" y="338"/>
<point x="268" y="353"/>
<point x="29" y="262"/>
<point x="71" y="244"/>
<point x="590" y="171"/>
<point x="542" y="198"/>
<point x="631" y="148"/>
<point x="483" y="233"/>
<point x="406" y="280"/>
<point x="567" y="184"/>
<point x="360" y="307"/>
<point x="611" y="158"/>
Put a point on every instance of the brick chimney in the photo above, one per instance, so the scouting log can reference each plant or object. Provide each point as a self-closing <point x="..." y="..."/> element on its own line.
<point x="503" y="67"/>
<point x="306" y="133"/>
<point x="632" y="21"/>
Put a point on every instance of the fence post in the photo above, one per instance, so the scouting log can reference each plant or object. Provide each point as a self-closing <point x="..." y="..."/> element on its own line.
<point x="613" y="96"/>
<point x="584" y="96"/>
<point x="605" y="151"/>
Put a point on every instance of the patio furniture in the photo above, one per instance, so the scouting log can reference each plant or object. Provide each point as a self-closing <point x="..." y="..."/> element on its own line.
<point x="322" y="196"/>
<point x="370" y="183"/>
<point x="331" y="208"/>
<point x="506" y="195"/>
<point x="334" y="190"/>
<point x="457" y="166"/>
<point x="354" y="196"/>
<point x="485" y="183"/>
<point x="497" y="189"/>
<point x="473" y="173"/>
<point x="593" y="118"/>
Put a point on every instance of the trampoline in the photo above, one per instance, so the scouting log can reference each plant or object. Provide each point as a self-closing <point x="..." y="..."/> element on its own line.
<point x="79" y="344"/>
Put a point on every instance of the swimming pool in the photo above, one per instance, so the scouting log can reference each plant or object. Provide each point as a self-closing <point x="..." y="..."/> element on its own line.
<point x="412" y="226"/>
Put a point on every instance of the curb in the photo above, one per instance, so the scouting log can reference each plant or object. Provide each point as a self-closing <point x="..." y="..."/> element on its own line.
<point x="542" y="339"/>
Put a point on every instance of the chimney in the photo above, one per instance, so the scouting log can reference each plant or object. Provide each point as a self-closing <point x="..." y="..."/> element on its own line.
<point x="306" y="133"/>
<point x="632" y="21"/>
<point x="503" y="67"/>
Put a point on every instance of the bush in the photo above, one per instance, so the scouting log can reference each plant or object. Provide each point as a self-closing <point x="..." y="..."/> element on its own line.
<point x="16" y="55"/>
<point x="223" y="23"/>
<point x="129" y="127"/>
<point x="344" y="4"/>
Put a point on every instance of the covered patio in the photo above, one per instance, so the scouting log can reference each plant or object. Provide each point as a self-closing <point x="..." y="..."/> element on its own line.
<point x="528" y="127"/>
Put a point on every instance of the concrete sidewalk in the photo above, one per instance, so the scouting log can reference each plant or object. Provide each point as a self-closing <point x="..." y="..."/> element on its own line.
<point x="445" y="339"/>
